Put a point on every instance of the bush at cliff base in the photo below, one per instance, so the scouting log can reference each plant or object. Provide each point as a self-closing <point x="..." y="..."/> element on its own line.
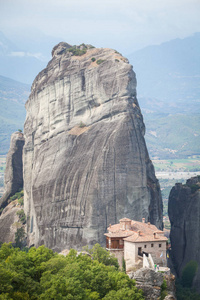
<point x="183" y="293"/>
<point x="188" y="274"/>
<point x="184" y="290"/>
<point x="41" y="274"/>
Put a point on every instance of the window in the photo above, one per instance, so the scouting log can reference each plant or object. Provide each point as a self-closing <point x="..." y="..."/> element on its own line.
<point x="151" y="245"/>
<point x="160" y="245"/>
<point x="145" y="246"/>
<point x="140" y="251"/>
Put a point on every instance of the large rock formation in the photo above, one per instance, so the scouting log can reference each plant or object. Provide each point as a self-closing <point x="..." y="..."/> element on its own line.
<point x="13" y="178"/>
<point x="184" y="214"/>
<point x="85" y="160"/>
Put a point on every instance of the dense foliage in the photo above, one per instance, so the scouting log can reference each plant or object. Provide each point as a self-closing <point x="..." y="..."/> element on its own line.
<point x="41" y="274"/>
<point x="185" y="293"/>
<point x="188" y="273"/>
<point x="184" y="290"/>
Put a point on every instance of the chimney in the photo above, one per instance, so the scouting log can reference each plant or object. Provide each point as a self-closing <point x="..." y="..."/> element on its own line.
<point x="125" y="224"/>
<point x="143" y="220"/>
<point x="149" y="224"/>
<point x="139" y="232"/>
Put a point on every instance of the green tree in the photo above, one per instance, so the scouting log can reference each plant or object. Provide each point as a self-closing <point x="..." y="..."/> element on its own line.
<point x="19" y="237"/>
<point x="124" y="294"/>
<point x="42" y="274"/>
<point x="184" y="293"/>
<point x="6" y="250"/>
<point x="189" y="271"/>
<point x="102" y="255"/>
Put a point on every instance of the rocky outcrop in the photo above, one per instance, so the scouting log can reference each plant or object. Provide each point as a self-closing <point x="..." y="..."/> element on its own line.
<point x="9" y="222"/>
<point x="151" y="282"/>
<point x="184" y="214"/>
<point x="13" y="177"/>
<point x="85" y="160"/>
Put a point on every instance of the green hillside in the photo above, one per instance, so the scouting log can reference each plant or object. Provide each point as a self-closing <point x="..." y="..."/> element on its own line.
<point x="172" y="136"/>
<point x="168" y="88"/>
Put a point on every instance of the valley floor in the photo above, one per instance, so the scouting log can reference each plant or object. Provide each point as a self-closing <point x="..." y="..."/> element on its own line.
<point x="176" y="175"/>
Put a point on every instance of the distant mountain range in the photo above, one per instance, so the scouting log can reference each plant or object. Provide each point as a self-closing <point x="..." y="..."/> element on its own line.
<point x="169" y="72"/>
<point x="13" y="96"/>
<point x="19" y="63"/>
<point x="168" y="88"/>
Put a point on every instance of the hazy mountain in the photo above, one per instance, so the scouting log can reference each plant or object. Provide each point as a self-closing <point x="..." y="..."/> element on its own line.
<point x="6" y="46"/>
<point x="18" y="64"/>
<point x="36" y="42"/>
<point x="170" y="71"/>
<point x="168" y="77"/>
<point x="168" y="88"/>
<point x="13" y="95"/>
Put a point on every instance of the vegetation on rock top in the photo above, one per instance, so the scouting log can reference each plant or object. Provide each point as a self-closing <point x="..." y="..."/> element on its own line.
<point x="79" y="50"/>
<point x="99" y="61"/>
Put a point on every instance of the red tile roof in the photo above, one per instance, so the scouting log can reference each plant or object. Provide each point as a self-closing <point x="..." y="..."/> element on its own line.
<point x="121" y="233"/>
<point x="135" y="238"/>
<point x="139" y="232"/>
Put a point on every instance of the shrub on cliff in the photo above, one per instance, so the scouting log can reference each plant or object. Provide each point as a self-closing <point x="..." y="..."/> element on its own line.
<point x="19" y="195"/>
<point x="22" y="216"/>
<point x="99" y="61"/>
<point x="77" y="51"/>
<point x="42" y="274"/>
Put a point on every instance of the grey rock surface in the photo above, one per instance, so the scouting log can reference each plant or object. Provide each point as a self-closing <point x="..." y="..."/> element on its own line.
<point x="9" y="222"/>
<point x="151" y="282"/>
<point x="86" y="163"/>
<point x="184" y="214"/>
<point x="13" y="176"/>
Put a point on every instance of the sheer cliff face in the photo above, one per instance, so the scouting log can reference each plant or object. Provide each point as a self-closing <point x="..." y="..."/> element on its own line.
<point x="184" y="214"/>
<point x="85" y="160"/>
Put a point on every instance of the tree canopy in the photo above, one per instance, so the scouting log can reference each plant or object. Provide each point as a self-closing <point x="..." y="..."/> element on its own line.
<point x="41" y="274"/>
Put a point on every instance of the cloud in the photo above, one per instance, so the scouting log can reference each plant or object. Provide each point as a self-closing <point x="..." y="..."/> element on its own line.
<point x="125" y="24"/>
<point x="26" y="54"/>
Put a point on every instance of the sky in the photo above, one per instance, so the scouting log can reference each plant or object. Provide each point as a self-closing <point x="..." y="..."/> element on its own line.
<point x="125" y="25"/>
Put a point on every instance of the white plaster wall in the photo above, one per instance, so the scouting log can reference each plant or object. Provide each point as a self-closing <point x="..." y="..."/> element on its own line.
<point x="131" y="252"/>
<point x="119" y="254"/>
<point x="155" y="251"/>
